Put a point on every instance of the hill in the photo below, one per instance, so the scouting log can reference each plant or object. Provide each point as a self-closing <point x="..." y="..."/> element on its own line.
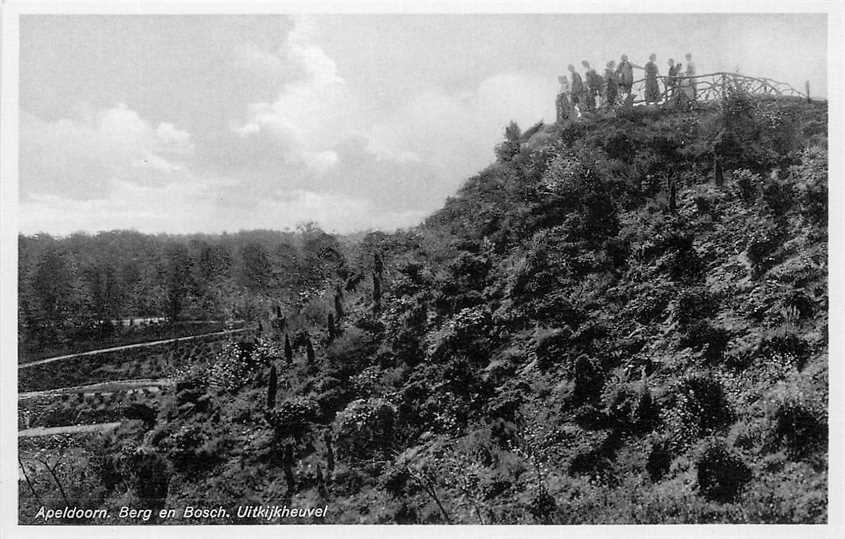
<point x="621" y="320"/>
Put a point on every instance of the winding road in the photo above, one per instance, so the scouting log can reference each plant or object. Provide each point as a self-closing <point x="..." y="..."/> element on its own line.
<point x="67" y="429"/>
<point x="129" y="347"/>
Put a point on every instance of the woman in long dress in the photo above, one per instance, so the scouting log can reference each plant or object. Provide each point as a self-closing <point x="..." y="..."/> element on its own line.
<point x="652" y="89"/>
<point x="611" y="82"/>
<point x="689" y="82"/>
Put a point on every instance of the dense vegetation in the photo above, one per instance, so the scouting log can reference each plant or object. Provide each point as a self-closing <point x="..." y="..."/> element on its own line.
<point x="88" y="291"/>
<point x="621" y="320"/>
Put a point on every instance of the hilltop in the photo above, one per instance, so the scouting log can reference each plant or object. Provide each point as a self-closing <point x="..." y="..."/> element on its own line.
<point x="621" y="320"/>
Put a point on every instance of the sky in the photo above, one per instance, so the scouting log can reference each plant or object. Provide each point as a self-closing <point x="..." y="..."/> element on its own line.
<point x="196" y="123"/>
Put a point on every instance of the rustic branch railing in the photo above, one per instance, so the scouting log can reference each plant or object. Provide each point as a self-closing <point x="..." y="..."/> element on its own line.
<point x="714" y="86"/>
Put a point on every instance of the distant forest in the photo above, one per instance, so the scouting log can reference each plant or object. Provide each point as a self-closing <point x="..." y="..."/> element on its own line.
<point x="79" y="288"/>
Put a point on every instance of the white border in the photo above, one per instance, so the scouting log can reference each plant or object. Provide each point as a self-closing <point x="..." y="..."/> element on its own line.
<point x="8" y="262"/>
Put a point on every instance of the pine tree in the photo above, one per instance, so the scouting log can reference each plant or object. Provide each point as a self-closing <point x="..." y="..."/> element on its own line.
<point x="376" y="293"/>
<point x="271" y="388"/>
<point x="672" y="197"/>
<point x="288" y="350"/>
<point x="309" y="351"/>
<point x="718" y="174"/>
<point x="338" y="303"/>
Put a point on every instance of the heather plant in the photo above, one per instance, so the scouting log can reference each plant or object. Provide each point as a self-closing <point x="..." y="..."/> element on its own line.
<point x="721" y="474"/>
<point x="365" y="428"/>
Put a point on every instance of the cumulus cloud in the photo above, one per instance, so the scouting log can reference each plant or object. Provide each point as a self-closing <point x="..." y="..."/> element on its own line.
<point x="319" y="134"/>
<point x="81" y="158"/>
<point x="308" y="113"/>
<point x="457" y="130"/>
<point x="191" y="206"/>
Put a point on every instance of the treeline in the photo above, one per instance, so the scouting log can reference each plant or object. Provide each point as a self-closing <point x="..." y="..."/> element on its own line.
<point x="81" y="286"/>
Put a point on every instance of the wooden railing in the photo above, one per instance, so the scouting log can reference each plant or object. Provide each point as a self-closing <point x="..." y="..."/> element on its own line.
<point x="714" y="86"/>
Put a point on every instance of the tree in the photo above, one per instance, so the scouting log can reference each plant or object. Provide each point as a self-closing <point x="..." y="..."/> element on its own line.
<point x="52" y="290"/>
<point x="178" y="279"/>
<point x="257" y="271"/>
<point x="508" y="149"/>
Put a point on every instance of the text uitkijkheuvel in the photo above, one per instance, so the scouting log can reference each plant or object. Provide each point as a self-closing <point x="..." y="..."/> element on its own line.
<point x="259" y="512"/>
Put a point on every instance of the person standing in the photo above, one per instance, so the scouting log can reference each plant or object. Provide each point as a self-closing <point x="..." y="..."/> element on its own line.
<point x="594" y="85"/>
<point x="625" y="73"/>
<point x="577" y="87"/>
<point x="564" y="108"/>
<point x="611" y="84"/>
<point x="672" y="81"/>
<point x="652" y="89"/>
<point x="689" y="81"/>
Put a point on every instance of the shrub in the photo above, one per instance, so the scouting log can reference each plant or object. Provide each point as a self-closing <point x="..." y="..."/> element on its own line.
<point x="694" y="304"/>
<point x="293" y="416"/>
<point x="589" y="379"/>
<point x="631" y="407"/>
<point x="765" y="238"/>
<point x="365" y="428"/>
<point x="658" y="462"/>
<point x="799" y="428"/>
<point x="711" y="340"/>
<point x="778" y="196"/>
<point x="721" y="475"/>
<point x="700" y="408"/>
<point x="149" y="478"/>
<point x="786" y="346"/>
<point x="550" y="346"/>
<point x="542" y="506"/>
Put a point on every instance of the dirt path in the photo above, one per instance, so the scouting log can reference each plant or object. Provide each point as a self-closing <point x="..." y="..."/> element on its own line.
<point x="101" y="387"/>
<point x="69" y="429"/>
<point x="129" y="347"/>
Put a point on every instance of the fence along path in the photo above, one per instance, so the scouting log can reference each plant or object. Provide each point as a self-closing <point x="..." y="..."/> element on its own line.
<point x="714" y="86"/>
<point x="130" y="346"/>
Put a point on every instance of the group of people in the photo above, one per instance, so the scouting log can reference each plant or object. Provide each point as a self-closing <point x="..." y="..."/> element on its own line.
<point x="594" y="91"/>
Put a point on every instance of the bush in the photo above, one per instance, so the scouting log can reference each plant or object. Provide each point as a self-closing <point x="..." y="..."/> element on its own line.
<point x="589" y="379"/>
<point x="785" y="346"/>
<point x="700" y="408"/>
<point x="711" y="340"/>
<point x="658" y="462"/>
<point x="694" y="304"/>
<point x="551" y="346"/>
<point x="365" y="428"/>
<point x="765" y="237"/>
<point x="149" y="478"/>
<point x="799" y="428"/>
<point x="721" y="475"/>
<point x="293" y="416"/>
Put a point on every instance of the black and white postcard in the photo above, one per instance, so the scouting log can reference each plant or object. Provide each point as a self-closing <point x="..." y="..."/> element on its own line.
<point x="563" y="267"/>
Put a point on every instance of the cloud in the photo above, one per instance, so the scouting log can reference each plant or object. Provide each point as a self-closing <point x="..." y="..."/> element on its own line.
<point x="316" y="150"/>
<point x="456" y="131"/>
<point x="309" y="110"/>
<point x="81" y="158"/>
<point x="192" y="206"/>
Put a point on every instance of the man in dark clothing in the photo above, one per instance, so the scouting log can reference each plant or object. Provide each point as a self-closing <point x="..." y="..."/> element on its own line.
<point x="611" y="84"/>
<point x="577" y="87"/>
<point x="625" y="72"/>
<point x="594" y="85"/>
